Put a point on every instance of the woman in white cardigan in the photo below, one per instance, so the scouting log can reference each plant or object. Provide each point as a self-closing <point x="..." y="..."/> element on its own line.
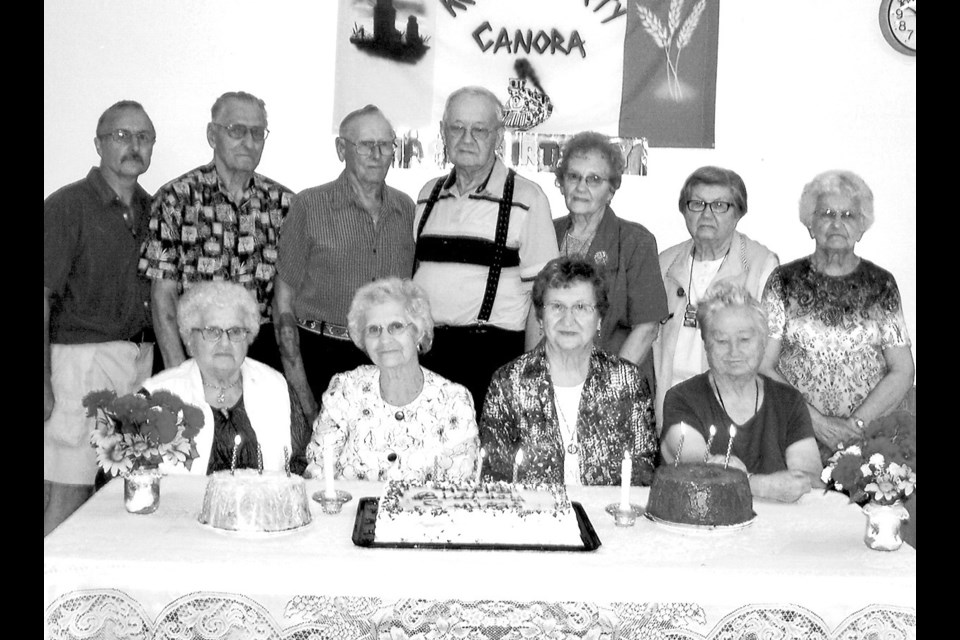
<point x="238" y="395"/>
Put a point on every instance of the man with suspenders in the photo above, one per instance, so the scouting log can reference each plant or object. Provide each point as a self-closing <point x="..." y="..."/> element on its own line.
<point x="483" y="233"/>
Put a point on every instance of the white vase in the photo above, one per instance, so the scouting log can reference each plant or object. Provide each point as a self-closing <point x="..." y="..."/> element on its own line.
<point x="883" y="525"/>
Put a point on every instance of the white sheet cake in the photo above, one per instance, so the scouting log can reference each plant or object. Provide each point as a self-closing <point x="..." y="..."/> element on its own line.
<point x="489" y="513"/>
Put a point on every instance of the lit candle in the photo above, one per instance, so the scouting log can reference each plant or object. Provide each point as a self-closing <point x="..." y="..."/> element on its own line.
<point x="328" y="467"/>
<point x="713" y="432"/>
<point x="517" y="461"/>
<point x="259" y="459"/>
<point x="233" y="458"/>
<point x="286" y="460"/>
<point x="733" y="434"/>
<point x="683" y="434"/>
<point x="626" y="472"/>
<point x="480" y="458"/>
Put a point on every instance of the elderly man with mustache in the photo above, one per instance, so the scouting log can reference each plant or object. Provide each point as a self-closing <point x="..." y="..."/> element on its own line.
<point x="96" y="324"/>
<point x="218" y="222"/>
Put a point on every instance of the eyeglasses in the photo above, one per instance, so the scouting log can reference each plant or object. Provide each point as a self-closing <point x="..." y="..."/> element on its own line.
<point x="579" y="309"/>
<point x="235" y="334"/>
<point x="240" y="131"/>
<point x="718" y="206"/>
<point x="125" y="136"/>
<point x="835" y="214"/>
<point x="573" y="179"/>
<point x="393" y="328"/>
<point x="480" y="134"/>
<point x="366" y="147"/>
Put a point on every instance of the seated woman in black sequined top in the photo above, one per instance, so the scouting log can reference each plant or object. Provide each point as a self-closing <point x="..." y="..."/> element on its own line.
<point x="238" y="395"/>
<point x="572" y="408"/>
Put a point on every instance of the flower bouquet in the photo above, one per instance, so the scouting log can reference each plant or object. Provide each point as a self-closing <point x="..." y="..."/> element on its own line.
<point x="881" y="468"/>
<point x="137" y="432"/>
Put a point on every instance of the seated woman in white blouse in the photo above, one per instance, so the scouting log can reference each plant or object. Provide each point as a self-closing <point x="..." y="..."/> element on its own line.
<point x="394" y="419"/>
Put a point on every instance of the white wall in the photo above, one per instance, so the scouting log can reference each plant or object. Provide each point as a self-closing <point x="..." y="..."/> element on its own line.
<point x="801" y="88"/>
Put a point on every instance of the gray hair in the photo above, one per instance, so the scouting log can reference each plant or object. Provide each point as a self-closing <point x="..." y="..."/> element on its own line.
<point x="727" y="294"/>
<point x="836" y="182"/>
<point x="411" y="297"/>
<point x="369" y="110"/>
<point x="217" y="294"/>
<point x="242" y="96"/>
<point x="482" y="92"/>
<point x="120" y="106"/>
<point x="715" y="176"/>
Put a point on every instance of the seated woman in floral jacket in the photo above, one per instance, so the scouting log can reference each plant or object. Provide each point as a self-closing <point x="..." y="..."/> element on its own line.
<point x="572" y="408"/>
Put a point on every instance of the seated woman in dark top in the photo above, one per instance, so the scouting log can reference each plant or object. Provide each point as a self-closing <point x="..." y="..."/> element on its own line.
<point x="774" y="441"/>
<point x="238" y="395"/>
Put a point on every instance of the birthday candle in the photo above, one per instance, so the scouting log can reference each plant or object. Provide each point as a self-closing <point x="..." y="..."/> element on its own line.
<point x="286" y="460"/>
<point x="259" y="459"/>
<point x="713" y="432"/>
<point x="683" y="434"/>
<point x="328" y="467"/>
<point x="517" y="461"/>
<point x="480" y="458"/>
<point x="626" y="472"/>
<point x="733" y="434"/>
<point x="233" y="458"/>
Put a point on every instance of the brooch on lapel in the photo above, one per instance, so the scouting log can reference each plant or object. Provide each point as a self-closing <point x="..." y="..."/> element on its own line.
<point x="600" y="257"/>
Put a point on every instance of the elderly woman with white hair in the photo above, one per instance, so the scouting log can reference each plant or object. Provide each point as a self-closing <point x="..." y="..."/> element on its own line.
<point x="238" y="395"/>
<point x="394" y="419"/>
<point x="837" y="331"/>
<point x="773" y="441"/>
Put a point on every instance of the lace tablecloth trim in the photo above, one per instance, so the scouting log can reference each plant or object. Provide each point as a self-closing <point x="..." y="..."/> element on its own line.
<point x="112" y="614"/>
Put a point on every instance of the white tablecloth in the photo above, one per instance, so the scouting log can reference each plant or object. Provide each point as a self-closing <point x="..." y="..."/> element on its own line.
<point x="799" y="571"/>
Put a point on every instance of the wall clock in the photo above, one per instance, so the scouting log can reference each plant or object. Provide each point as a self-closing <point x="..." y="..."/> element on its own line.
<point x="898" y="22"/>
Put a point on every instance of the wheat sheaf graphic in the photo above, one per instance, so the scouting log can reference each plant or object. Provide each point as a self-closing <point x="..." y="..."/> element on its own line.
<point x="672" y="38"/>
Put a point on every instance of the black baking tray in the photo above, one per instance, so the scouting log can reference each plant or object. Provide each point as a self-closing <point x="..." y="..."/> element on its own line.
<point x="364" y="529"/>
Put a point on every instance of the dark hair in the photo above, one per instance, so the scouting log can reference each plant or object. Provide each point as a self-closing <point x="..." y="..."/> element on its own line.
<point x="119" y="106"/>
<point x="585" y="142"/>
<point x="715" y="176"/>
<point x="565" y="271"/>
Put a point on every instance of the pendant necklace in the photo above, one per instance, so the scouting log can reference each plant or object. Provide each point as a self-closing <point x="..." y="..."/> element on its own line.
<point x="756" y="402"/>
<point x="573" y="447"/>
<point x="223" y="390"/>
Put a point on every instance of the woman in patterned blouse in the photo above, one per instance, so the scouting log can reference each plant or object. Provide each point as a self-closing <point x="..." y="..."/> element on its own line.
<point x="836" y="323"/>
<point x="573" y="409"/>
<point x="394" y="419"/>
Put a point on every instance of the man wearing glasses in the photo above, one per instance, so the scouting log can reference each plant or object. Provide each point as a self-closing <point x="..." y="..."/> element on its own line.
<point x="96" y="321"/>
<point x="338" y="237"/>
<point x="218" y="222"/>
<point x="483" y="233"/>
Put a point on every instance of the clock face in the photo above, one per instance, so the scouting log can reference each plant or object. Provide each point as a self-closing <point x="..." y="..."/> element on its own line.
<point x="898" y="22"/>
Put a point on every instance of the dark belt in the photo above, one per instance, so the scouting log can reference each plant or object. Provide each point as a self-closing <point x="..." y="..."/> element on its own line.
<point x="144" y="335"/>
<point x="473" y="329"/>
<point x="325" y="329"/>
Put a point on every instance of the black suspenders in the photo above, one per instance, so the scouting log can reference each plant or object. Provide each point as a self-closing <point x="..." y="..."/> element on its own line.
<point x="500" y="240"/>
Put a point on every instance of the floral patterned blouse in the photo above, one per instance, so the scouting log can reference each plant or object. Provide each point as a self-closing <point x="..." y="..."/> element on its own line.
<point x="615" y="415"/>
<point x="434" y="435"/>
<point x="833" y="330"/>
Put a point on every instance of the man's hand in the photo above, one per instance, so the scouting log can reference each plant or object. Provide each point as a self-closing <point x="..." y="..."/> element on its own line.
<point x="48" y="399"/>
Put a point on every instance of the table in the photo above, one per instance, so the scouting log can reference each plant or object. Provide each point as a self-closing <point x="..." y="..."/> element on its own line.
<point x="799" y="571"/>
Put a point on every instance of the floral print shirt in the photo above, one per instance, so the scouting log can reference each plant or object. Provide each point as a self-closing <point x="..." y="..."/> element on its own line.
<point x="197" y="233"/>
<point x="833" y="330"/>
<point x="616" y="415"/>
<point x="435" y="435"/>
